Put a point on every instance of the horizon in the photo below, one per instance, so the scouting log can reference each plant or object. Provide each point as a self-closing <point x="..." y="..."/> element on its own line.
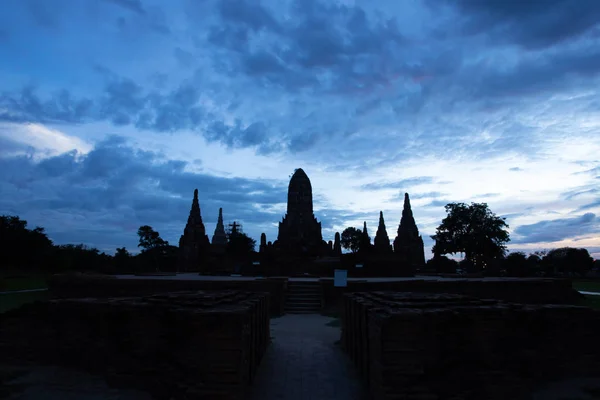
<point x="113" y="111"/>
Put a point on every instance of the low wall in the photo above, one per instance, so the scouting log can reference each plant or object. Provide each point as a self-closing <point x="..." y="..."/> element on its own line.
<point x="63" y="287"/>
<point x="431" y="346"/>
<point x="194" y="345"/>
<point x="528" y="291"/>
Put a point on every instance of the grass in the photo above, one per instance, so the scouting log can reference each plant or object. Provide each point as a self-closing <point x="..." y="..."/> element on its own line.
<point x="16" y="300"/>
<point x="591" y="301"/>
<point x="14" y="279"/>
<point x="586" y="285"/>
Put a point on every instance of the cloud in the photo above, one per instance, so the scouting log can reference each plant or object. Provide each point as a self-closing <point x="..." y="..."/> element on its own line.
<point x="115" y="186"/>
<point x="532" y="25"/>
<point x="557" y="229"/>
<point x="403" y="183"/>
<point x="398" y="96"/>
<point x="130" y="5"/>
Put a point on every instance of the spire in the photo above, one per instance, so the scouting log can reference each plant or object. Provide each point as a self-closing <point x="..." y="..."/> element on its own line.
<point x="263" y="239"/>
<point x="193" y="244"/>
<point x="382" y="240"/>
<point x="263" y="242"/>
<point x="408" y="244"/>
<point x="337" y="244"/>
<point x="365" y="240"/>
<point x="407" y="221"/>
<point x="220" y="237"/>
<point x="195" y="218"/>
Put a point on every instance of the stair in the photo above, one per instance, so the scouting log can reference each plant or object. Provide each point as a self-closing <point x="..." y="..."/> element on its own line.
<point x="303" y="298"/>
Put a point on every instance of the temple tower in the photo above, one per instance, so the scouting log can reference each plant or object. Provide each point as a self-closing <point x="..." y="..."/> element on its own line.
<point x="408" y="243"/>
<point x="337" y="245"/>
<point x="220" y="237"/>
<point x="299" y="231"/>
<point x="382" y="240"/>
<point x="365" y="240"/>
<point x="194" y="243"/>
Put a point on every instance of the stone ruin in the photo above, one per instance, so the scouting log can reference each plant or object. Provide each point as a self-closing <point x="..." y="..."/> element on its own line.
<point x="442" y="346"/>
<point x="300" y="239"/>
<point x="186" y="345"/>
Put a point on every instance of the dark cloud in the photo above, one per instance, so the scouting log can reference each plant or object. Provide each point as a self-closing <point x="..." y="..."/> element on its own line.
<point x="590" y="206"/>
<point x="355" y="50"/>
<point x="124" y="102"/>
<point x="532" y="24"/>
<point x="571" y="194"/>
<point x="557" y="229"/>
<point x="116" y="188"/>
<point x="130" y="5"/>
<point x="401" y="184"/>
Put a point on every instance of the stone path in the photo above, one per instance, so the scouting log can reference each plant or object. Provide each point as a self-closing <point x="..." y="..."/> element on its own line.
<point x="304" y="363"/>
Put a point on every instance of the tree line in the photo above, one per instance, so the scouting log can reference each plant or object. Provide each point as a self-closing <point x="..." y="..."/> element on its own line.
<point x="24" y="249"/>
<point x="481" y="236"/>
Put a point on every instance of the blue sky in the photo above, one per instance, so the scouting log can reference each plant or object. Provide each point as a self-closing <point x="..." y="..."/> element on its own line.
<point x="113" y="111"/>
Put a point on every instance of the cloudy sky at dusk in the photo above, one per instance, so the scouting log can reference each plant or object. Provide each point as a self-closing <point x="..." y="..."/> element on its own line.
<point x="113" y="111"/>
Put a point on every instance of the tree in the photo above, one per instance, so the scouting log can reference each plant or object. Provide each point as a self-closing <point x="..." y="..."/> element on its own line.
<point x="473" y="230"/>
<point x="123" y="260"/>
<point x="240" y="245"/>
<point x="149" y="238"/>
<point x="442" y="264"/>
<point x="351" y="239"/>
<point x="23" y="247"/>
<point x="568" y="260"/>
<point x="152" y="244"/>
<point x="516" y="264"/>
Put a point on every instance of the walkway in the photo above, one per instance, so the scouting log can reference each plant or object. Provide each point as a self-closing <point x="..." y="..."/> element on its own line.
<point x="304" y="363"/>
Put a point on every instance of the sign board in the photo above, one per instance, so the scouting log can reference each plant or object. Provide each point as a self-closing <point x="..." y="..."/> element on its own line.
<point x="359" y="265"/>
<point x="340" y="278"/>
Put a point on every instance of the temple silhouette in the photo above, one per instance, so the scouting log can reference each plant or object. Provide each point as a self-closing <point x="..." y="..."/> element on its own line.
<point x="300" y="247"/>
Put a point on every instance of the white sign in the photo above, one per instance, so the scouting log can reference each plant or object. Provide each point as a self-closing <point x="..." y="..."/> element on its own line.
<point x="340" y="278"/>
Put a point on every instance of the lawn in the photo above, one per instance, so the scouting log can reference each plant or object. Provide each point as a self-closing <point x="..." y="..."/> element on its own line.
<point x="10" y="283"/>
<point x="15" y="281"/>
<point x="16" y="300"/>
<point x="586" y="285"/>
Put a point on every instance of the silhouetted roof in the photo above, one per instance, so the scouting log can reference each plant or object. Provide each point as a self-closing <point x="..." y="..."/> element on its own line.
<point x="299" y="174"/>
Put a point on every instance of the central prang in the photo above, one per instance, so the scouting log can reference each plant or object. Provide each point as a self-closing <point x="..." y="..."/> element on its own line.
<point x="299" y="231"/>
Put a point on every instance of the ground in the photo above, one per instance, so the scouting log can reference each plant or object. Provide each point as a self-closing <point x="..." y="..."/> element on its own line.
<point x="304" y="362"/>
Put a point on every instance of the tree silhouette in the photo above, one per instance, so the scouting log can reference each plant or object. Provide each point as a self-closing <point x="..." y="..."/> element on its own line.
<point x="568" y="260"/>
<point x="240" y="245"/>
<point x="351" y="239"/>
<point x="473" y="230"/>
<point x="153" y="245"/>
<point x="23" y="247"/>
<point x="149" y="238"/>
<point x="516" y="264"/>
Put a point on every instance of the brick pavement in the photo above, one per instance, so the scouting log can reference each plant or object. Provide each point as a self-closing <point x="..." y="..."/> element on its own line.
<point x="304" y="363"/>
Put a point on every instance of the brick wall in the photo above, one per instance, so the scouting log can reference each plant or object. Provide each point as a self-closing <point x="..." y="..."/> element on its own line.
<point x="439" y="346"/>
<point x="62" y="287"/>
<point x="192" y="345"/>
<point x="528" y="291"/>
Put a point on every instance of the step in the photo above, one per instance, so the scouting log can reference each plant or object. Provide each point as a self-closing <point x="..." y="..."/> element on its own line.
<point x="311" y="295"/>
<point x="313" y="305"/>
<point x="302" y="312"/>
<point x="302" y="308"/>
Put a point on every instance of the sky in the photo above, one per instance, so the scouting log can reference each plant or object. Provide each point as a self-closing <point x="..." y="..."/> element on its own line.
<point x="113" y="111"/>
